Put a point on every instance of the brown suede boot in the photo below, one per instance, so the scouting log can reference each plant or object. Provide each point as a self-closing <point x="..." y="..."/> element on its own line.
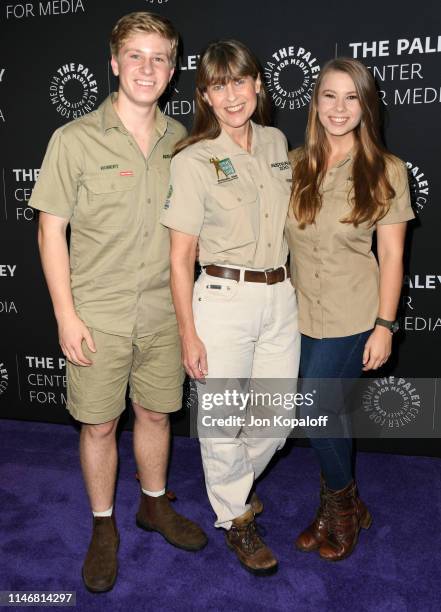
<point x="256" y="503"/>
<point x="313" y="536"/>
<point x="101" y="564"/>
<point x="252" y="552"/>
<point x="346" y="515"/>
<point x="156" y="514"/>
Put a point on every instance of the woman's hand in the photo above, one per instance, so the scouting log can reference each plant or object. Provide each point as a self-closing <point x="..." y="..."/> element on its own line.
<point x="377" y="349"/>
<point x="194" y="356"/>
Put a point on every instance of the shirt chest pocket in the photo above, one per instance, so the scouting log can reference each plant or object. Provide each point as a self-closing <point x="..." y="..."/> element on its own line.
<point x="281" y="181"/>
<point x="111" y="200"/>
<point x="232" y="216"/>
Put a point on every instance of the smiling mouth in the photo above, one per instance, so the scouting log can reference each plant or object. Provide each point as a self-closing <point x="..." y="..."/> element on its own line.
<point x="339" y="120"/>
<point x="144" y="83"/>
<point x="235" y="109"/>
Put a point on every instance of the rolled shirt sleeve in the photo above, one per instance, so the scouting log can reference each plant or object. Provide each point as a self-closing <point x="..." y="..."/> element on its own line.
<point x="184" y="207"/>
<point x="56" y="189"/>
<point x="400" y="208"/>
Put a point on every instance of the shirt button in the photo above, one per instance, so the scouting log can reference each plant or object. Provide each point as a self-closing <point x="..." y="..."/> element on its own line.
<point x="146" y="234"/>
<point x="142" y="265"/>
<point x="266" y="215"/>
<point x="316" y="274"/>
<point x="269" y="244"/>
<point x="239" y="199"/>
<point x="315" y="249"/>
<point x="261" y="186"/>
<point x="318" y="301"/>
<point x="149" y="200"/>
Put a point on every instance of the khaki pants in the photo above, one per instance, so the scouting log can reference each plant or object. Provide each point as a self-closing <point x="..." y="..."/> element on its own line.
<point x="249" y="331"/>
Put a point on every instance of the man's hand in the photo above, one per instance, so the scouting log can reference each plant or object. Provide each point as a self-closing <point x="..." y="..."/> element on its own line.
<point x="71" y="333"/>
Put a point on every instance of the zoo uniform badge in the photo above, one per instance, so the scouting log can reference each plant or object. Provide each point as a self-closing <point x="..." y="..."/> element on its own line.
<point x="225" y="168"/>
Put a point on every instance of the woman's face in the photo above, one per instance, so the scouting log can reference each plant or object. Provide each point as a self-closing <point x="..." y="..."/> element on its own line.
<point x="338" y="106"/>
<point x="235" y="102"/>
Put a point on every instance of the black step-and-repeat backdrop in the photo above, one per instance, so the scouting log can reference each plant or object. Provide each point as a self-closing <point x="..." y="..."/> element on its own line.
<point x="54" y="67"/>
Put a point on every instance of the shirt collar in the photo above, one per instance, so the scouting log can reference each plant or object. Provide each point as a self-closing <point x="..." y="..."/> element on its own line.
<point x="348" y="157"/>
<point x="110" y="118"/>
<point x="225" y="145"/>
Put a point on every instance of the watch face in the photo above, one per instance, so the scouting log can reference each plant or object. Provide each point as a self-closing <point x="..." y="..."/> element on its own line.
<point x="394" y="327"/>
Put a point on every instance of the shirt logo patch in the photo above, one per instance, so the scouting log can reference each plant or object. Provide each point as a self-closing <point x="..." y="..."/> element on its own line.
<point x="126" y="173"/>
<point x="109" y="167"/>
<point x="169" y="195"/>
<point x="225" y="168"/>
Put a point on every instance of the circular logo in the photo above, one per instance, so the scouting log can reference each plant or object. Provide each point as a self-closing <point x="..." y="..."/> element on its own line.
<point x="73" y="90"/>
<point x="290" y="76"/>
<point x="419" y="187"/>
<point x="4" y="378"/>
<point x="391" y="403"/>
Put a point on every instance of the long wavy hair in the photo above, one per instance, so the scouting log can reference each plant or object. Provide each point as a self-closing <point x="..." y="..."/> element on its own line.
<point x="221" y="62"/>
<point x="371" y="191"/>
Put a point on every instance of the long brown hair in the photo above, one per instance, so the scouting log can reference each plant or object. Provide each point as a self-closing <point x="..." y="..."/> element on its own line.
<point x="221" y="62"/>
<point x="371" y="190"/>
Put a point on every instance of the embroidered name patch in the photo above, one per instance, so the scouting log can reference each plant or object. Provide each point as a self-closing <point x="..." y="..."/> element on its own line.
<point x="281" y="165"/>
<point x="109" y="167"/>
<point x="126" y="173"/>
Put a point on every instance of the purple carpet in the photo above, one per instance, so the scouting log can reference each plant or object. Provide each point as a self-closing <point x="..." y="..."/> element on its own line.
<point x="45" y="528"/>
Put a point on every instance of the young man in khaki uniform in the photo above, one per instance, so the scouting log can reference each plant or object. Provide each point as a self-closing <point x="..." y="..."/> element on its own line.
<point x="106" y="175"/>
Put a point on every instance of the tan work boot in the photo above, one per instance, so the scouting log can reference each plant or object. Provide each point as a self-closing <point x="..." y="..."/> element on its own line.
<point x="156" y="514"/>
<point x="101" y="564"/>
<point x="252" y="552"/>
<point x="256" y="503"/>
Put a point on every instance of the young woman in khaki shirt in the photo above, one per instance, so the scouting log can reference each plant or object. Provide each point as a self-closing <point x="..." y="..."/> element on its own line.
<point x="345" y="186"/>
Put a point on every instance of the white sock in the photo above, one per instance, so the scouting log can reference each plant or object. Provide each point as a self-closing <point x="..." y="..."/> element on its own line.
<point x="153" y="493"/>
<point x="105" y="513"/>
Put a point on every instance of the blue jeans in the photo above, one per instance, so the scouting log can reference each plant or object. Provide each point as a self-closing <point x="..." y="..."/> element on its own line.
<point x="334" y="358"/>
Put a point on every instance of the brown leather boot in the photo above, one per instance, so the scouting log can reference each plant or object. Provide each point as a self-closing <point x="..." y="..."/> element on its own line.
<point x="313" y="536"/>
<point x="101" y="564"/>
<point x="256" y="503"/>
<point x="250" y="549"/>
<point x="156" y="514"/>
<point x="346" y="515"/>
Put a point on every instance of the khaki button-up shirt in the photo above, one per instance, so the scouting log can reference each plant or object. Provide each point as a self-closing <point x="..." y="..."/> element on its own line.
<point x="234" y="201"/>
<point x="95" y="175"/>
<point x="333" y="268"/>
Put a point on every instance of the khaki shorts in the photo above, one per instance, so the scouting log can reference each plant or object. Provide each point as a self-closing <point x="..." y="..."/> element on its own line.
<point x="150" y="365"/>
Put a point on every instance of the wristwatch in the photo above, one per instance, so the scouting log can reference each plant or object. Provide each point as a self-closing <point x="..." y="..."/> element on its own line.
<point x="392" y="326"/>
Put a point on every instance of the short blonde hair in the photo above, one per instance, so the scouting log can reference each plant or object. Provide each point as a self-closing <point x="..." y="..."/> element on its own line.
<point x="144" y="22"/>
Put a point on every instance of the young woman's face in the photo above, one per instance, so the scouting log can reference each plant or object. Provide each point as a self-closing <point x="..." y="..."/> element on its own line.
<point x="338" y="107"/>
<point x="235" y="102"/>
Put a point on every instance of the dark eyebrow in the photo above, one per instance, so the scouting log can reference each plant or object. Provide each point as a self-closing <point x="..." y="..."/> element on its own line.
<point x="333" y="91"/>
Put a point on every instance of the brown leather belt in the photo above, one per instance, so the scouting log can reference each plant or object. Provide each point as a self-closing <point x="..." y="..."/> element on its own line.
<point x="270" y="277"/>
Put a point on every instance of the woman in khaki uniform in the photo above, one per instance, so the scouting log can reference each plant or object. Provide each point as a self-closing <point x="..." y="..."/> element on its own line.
<point x="346" y="185"/>
<point x="230" y="191"/>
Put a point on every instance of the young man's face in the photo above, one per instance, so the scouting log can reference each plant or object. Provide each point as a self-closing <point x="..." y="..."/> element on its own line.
<point x="144" y="68"/>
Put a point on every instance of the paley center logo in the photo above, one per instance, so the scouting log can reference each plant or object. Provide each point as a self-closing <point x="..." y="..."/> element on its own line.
<point x="290" y="76"/>
<point x="391" y="402"/>
<point x="73" y="90"/>
<point x="419" y="187"/>
<point x="4" y="378"/>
